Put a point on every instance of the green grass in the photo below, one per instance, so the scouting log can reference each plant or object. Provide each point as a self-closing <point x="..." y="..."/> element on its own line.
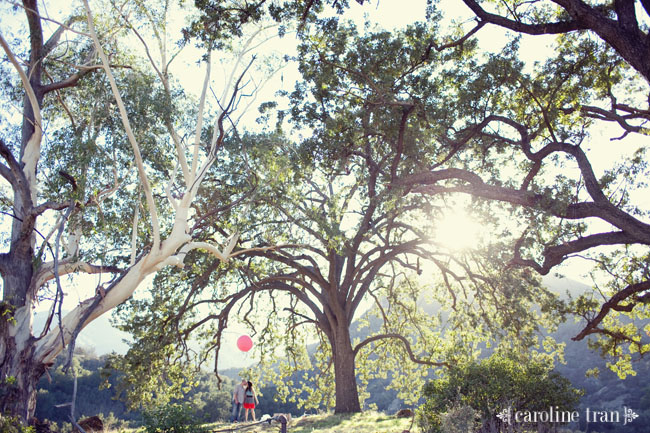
<point x="366" y="422"/>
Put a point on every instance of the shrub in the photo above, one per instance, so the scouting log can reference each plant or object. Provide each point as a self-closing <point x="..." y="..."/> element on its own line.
<point x="490" y="386"/>
<point x="13" y="425"/>
<point x="428" y="420"/>
<point x="171" y="418"/>
<point x="111" y="422"/>
<point x="459" y="419"/>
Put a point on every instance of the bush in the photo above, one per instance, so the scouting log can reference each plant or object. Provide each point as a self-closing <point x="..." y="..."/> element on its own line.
<point x="428" y="421"/>
<point x="172" y="418"/>
<point x="111" y="422"/>
<point x="13" y="425"/>
<point x="460" y="419"/>
<point x="490" y="386"/>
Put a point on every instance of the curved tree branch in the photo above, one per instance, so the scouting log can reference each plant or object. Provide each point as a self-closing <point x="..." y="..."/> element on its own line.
<point x="407" y="345"/>
<point x="518" y="26"/>
<point x="13" y="172"/>
<point x="556" y="254"/>
<point x="127" y="126"/>
<point x="614" y="303"/>
<point x="46" y="272"/>
<point x="32" y="141"/>
<point x="624" y="34"/>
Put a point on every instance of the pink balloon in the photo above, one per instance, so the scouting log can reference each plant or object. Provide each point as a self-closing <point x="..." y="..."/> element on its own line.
<point x="244" y="343"/>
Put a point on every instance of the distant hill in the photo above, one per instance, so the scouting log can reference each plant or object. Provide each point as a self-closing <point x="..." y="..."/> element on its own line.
<point x="564" y="286"/>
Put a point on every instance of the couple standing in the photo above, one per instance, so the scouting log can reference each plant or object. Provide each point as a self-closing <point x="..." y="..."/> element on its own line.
<point x="243" y="395"/>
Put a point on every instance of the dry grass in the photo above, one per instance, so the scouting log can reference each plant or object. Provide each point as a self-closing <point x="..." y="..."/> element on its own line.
<point x="367" y="422"/>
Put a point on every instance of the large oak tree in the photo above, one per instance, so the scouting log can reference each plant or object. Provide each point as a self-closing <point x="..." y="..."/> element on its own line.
<point x="330" y="230"/>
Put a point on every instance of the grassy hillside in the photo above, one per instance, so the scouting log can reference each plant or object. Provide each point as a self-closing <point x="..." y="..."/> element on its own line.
<point x="367" y="422"/>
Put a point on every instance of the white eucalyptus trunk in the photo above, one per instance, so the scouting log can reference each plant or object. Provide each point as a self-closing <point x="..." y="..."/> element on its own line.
<point x="24" y="356"/>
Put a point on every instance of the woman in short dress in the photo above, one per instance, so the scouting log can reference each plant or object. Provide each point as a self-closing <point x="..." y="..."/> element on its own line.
<point x="250" y="400"/>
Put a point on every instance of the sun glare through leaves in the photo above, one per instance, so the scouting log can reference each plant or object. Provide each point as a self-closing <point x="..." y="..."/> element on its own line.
<point x="457" y="230"/>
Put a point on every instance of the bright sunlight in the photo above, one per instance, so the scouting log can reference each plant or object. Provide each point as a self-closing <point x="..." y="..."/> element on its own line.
<point x="457" y="230"/>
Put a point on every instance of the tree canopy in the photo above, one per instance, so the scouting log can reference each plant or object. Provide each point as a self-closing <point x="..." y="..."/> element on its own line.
<point x="557" y="117"/>
<point x="332" y="229"/>
<point x="113" y="168"/>
<point x="620" y="24"/>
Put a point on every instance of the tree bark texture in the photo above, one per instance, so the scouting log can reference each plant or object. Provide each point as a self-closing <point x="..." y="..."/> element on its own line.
<point x="19" y="370"/>
<point x="347" y="394"/>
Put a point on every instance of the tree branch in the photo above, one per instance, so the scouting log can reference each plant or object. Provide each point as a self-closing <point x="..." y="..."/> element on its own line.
<point x="45" y="273"/>
<point x="612" y="116"/>
<point x="407" y="345"/>
<point x="71" y="81"/>
<point x="613" y="304"/>
<point x="624" y="35"/>
<point x="129" y="132"/>
<point x="556" y="254"/>
<point x="13" y="173"/>
<point x="458" y="42"/>
<point x="32" y="148"/>
<point x="50" y="205"/>
<point x="531" y="29"/>
<point x="601" y="207"/>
